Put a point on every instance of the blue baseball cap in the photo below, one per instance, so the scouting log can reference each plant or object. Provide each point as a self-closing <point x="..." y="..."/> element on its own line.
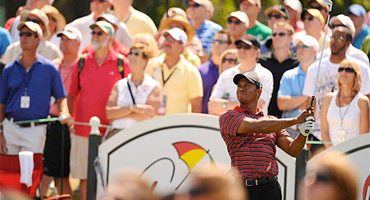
<point x="357" y="10"/>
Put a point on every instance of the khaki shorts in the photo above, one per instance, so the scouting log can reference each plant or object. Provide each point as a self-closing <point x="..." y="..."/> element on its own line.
<point x="79" y="156"/>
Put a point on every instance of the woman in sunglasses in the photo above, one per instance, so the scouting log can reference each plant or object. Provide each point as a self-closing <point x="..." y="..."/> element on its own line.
<point x="229" y="59"/>
<point x="345" y="113"/>
<point x="136" y="97"/>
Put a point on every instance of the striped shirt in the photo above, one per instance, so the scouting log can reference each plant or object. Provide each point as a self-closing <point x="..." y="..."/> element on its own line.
<point x="206" y="32"/>
<point x="253" y="154"/>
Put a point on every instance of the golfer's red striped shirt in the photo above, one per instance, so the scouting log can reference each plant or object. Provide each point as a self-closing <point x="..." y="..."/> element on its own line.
<point x="253" y="154"/>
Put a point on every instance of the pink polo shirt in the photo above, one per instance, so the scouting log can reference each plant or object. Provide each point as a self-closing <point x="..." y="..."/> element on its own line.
<point x="96" y="84"/>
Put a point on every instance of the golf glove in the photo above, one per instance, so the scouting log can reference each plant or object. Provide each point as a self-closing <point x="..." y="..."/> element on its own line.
<point x="307" y="127"/>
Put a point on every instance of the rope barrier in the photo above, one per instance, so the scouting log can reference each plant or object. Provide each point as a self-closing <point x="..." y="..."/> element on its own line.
<point x="318" y="142"/>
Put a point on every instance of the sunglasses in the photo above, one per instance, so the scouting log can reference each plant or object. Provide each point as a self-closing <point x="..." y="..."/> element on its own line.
<point x="236" y="22"/>
<point x="318" y="7"/>
<point x="302" y="46"/>
<point x="219" y="41"/>
<point x="280" y="34"/>
<point x="310" y="18"/>
<point x="229" y="60"/>
<point x="169" y="39"/>
<point x="349" y="70"/>
<point x="27" y="34"/>
<point x="244" y="46"/>
<point x="52" y="19"/>
<point x="198" y="191"/>
<point x="275" y="16"/>
<point x="134" y="53"/>
<point x="33" y="20"/>
<point x="98" y="33"/>
<point x="194" y="5"/>
<point x="336" y="25"/>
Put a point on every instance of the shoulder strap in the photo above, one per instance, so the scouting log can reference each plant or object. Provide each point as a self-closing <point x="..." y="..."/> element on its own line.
<point x="81" y="64"/>
<point x="121" y="69"/>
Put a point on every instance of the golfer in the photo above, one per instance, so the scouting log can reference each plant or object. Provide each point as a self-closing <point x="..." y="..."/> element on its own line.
<point x="251" y="138"/>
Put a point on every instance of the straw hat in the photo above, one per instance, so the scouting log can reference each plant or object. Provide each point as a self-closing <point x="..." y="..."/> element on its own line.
<point x="40" y="14"/>
<point x="165" y="24"/>
<point x="51" y="10"/>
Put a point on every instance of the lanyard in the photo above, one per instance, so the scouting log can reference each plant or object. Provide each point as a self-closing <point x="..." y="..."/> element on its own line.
<point x="164" y="81"/>
<point x="132" y="96"/>
<point x="128" y="17"/>
<point x="27" y="82"/>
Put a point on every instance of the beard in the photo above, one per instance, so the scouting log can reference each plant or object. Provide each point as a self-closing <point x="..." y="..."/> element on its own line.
<point x="99" y="44"/>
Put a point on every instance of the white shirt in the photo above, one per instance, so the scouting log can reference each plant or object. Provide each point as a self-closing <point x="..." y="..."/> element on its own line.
<point x="327" y="82"/>
<point x="140" y="94"/>
<point x="351" y="52"/>
<point x="226" y="85"/>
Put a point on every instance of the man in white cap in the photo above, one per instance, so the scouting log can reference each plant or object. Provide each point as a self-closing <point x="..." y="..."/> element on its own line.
<point x="289" y="97"/>
<point x="70" y="40"/>
<point x="180" y="80"/>
<point x="45" y="48"/>
<point x="93" y="78"/>
<point x="342" y="20"/>
<point x="237" y="25"/>
<point x="294" y="8"/>
<point x="26" y="86"/>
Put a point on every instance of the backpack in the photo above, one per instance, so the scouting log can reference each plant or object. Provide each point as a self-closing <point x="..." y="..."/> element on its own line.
<point x="81" y="64"/>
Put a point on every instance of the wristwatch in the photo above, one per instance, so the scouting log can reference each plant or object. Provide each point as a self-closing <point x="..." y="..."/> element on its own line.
<point x="131" y="106"/>
<point x="224" y="105"/>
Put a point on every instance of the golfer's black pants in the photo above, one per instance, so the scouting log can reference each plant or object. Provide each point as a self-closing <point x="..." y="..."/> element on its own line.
<point x="267" y="191"/>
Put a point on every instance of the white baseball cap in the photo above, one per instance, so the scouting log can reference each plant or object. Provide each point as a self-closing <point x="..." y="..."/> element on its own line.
<point x="241" y="16"/>
<point x="294" y="4"/>
<point x="177" y="34"/>
<point x="307" y="40"/>
<point x="346" y="21"/>
<point x="71" y="33"/>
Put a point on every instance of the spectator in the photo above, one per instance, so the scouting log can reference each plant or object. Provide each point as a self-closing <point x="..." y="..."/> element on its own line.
<point x="116" y="45"/>
<point x="357" y="14"/>
<point x="30" y="100"/>
<point x="100" y="71"/>
<point x="256" y="28"/>
<point x="5" y="41"/>
<point x="223" y="97"/>
<point x="229" y="59"/>
<point x="216" y="182"/>
<point x="279" y="60"/>
<point x="330" y="176"/>
<point x="147" y="39"/>
<point x="45" y="48"/>
<point x="209" y="70"/>
<point x="294" y="8"/>
<point x="237" y="25"/>
<point x="326" y="82"/>
<point x="145" y="93"/>
<point x="290" y="99"/>
<point x="70" y="41"/>
<point x="345" y="112"/>
<point x="180" y="80"/>
<point x="320" y="6"/>
<point x="177" y="21"/>
<point x="56" y="23"/>
<point x="136" y="21"/>
<point x="122" y="34"/>
<point x="274" y="14"/>
<point x="30" y="5"/>
<point x="342" y="20"/>
<point x="313" y="24"/>
<point x="205" y="29"/>
<point x="365" y="47"/>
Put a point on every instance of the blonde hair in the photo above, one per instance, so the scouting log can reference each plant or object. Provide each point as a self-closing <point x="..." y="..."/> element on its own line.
<point x="227" y="51"/>
<point x="285" y="25"/>
<point x="358" y="79"/>
<point x="147" y="39"/>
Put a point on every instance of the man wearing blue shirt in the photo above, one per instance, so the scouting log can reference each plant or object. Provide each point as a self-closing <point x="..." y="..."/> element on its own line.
<point x="26" y="87"/>
<point x="290" y="99"/>
<point x="357" y="13"/>
<point x="5" y="40"/>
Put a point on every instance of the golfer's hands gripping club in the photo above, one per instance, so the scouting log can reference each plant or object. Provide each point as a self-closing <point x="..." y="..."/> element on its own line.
<point x="307" y="127"/>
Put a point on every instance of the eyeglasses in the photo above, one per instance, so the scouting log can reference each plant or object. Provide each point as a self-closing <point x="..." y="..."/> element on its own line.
<point x="341" y="38"/>
<point x="197" y="191"/>
<point x="219" y="41"/>
<point x="194" y="5"/>
<point x="280" y="34"/>
<point x="27" y="34"/>
<point x="348" y="70"/>
<point x="275" y="16"/>
<point x="310" y="18"/>
<point x="134" y="53"/>
<point x="229" y="60"/>
<point x="98" y="33"/>
<point x="316" y="7"/>
<point x="33" y="20"/>
<point x="244" y="46"/>
<point x="236" y="22"/>
<point x="301" y="46"/>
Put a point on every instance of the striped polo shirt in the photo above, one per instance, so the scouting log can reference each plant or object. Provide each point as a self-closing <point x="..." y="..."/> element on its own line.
<point x="253" y="154"/>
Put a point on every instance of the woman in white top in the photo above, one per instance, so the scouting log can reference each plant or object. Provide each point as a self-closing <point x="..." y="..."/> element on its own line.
<point x="136" y="97"/>
<point x="345" y="113"/>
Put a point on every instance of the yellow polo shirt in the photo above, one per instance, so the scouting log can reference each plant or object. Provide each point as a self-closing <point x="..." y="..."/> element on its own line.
<point x="139" y="22"/>
<point x="182" y="83"/>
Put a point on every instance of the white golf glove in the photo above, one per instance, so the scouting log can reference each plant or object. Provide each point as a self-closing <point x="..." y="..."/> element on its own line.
<point x="307" y="127"/>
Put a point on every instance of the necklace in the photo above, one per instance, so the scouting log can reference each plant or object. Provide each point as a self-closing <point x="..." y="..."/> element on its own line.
<point x="340" y="111"/>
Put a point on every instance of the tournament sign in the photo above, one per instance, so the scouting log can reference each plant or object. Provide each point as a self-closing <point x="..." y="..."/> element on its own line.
<point x="166" y="149"/>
